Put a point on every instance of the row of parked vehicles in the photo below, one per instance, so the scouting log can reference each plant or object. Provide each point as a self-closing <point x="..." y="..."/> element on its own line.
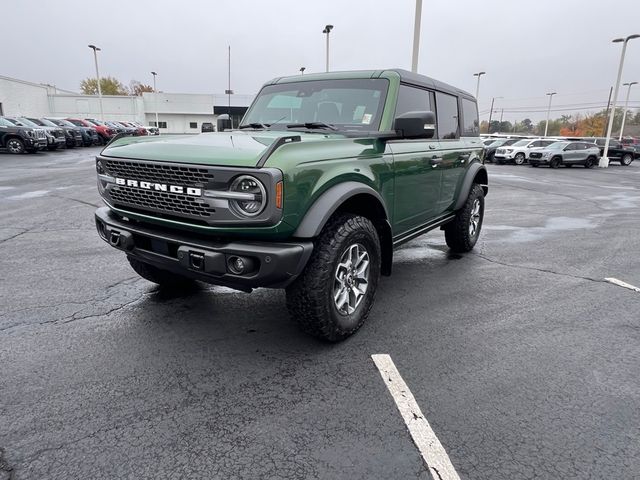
<point x="30" y="134"/>
<point x="557" y="151"/>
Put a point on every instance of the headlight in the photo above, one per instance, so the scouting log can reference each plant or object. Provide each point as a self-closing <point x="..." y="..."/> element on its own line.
<point x="509" y="150"/>
<point x="252" y="196"/>
<point x="546" y="154"/>
<point x="27" y="133"/>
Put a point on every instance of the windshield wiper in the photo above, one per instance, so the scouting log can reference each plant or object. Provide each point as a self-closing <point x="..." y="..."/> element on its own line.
<point x="254" y="125"/>
<point x="312" y="125"/>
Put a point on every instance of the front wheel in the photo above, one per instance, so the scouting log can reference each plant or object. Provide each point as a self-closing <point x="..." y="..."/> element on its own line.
<point x="332" y="297"/>
<point x="554" y="163"/>
<point x="15" y="146"/>
<point x="590" y="162"/>
<point x="463" y="231"/>
<point x="626" y="160"/>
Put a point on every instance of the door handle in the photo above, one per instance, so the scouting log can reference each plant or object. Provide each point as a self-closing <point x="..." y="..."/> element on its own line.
<point x="464" y="158"/>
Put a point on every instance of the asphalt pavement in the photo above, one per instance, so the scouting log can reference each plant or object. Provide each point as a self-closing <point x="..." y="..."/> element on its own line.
<point x="523" y="359"/>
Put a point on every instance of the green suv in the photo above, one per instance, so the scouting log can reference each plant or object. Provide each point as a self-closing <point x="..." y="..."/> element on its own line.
<point x="325" y="176"/>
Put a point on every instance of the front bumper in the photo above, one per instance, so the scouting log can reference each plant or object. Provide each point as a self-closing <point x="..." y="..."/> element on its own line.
<point x="276" y="264"/>
<point x="539" y="161"/>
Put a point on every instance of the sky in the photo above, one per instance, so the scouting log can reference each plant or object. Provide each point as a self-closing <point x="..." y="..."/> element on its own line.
<point x="526" y="48"/>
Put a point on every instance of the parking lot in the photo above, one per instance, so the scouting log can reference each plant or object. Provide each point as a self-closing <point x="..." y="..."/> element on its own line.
<point x="521" y="356"/>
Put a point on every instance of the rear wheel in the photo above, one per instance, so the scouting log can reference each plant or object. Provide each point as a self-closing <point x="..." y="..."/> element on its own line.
<point x="590" y="162"/>
<point x="15" y="146"/>
<point x="332" y="297"/>
<point x="461" y="234"/>
<point x="555" y="162"/>
<point x="626" y="159"/>
<point x="159" y="276"/>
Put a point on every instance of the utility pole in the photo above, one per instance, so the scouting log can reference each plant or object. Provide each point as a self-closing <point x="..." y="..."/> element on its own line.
<point x="626" y="106"/>
<point x="416" y="36"/>
<point x="490" y="115"/>
<point x="327" y="30"/>
<point x="95" y="58"/>
<point x="546" y="127"/>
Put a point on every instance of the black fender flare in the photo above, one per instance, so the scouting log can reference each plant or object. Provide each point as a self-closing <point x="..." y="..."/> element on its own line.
<point x="328" y="202"/>
<point x="468" y="181"/>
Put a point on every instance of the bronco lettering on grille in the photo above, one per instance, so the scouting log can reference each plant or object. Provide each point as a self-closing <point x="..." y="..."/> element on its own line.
<point x="160" y="187"/>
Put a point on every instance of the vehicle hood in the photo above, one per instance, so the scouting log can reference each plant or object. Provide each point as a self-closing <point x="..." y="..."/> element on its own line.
<point x="236" y="148"/>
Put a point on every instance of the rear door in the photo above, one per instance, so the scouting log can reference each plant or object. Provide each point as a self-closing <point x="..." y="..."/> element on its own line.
<point x="416" y="167"/>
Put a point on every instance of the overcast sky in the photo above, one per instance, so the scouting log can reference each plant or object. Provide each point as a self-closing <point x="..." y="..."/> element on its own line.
<point x="526" y="48"/>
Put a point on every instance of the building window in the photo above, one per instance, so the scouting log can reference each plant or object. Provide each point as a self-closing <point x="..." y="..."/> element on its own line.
<point x="159" y="125"/>
<point x="193" y="124"/>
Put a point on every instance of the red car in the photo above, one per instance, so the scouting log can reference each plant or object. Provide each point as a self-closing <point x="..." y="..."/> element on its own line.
<point x="104" y="132"/>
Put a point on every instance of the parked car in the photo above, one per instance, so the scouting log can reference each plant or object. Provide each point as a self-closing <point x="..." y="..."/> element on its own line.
<point x="617" y="151"/>
<point x="314" y="202"/>
<point x="133" y="131"/>
<point x="114" y="126"/>
<point x="518" y="152"/>
<point x="76" y="136"/>
<point x="57" y="136"/>
<point x="40" y="136"/>
<point x="565" y="153"/>
<point x="105" y="132"/>
<point x="207" y="127"/>
<point x="150" y="130"/>
<point x="490" y="150"/>
<point x="17" y="139"/>
<point x="140" y="131"/>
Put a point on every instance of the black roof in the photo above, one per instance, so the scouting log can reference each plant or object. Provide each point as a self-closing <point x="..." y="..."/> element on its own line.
<point x="428" y="82"/>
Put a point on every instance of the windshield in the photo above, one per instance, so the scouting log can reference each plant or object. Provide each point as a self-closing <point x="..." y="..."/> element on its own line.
<point x="6" y="123"/>
<point x="60" y="123"/>
<point x="522" y="143"/>
<point x="354" y="104"/>
<point x="27" y="122"/>
<point x="497" y="143"/>
<point x="34" y="121"/>
<point x="557" y="145"/>
<point x="95" y="122"/>
<point x="47" y="123"/>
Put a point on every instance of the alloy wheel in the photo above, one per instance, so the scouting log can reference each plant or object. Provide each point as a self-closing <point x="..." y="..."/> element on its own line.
<point x="474" y="218"/>
<point x="351" y="279"/>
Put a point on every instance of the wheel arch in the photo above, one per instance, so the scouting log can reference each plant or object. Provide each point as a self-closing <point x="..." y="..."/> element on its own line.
<point x="477" y="173"/>
<point x="350" y="197"/>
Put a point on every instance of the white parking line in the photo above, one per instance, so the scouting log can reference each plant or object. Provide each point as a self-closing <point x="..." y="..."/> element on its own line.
<point x="430" y="448"/>
<point x="620" y="283"/>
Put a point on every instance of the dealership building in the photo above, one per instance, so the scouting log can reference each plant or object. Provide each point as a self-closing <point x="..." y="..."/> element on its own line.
<point x="177" y="112"/>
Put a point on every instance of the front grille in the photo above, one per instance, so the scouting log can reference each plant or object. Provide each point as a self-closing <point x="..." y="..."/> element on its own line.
<point x="535" y="155"/>
<point x="163" y="201"/>
<point x="40" y="134"/>
<point x="153" y="172"/>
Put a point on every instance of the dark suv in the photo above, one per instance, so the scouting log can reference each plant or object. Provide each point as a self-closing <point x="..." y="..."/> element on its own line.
<point x="617" y="151"/>
<point x="56" y="137"/>
<point x="326" y="175"/>
<point x="17" y="139"/>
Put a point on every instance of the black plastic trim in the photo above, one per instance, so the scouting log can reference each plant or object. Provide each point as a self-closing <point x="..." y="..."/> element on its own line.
<point x="473" y="170"/>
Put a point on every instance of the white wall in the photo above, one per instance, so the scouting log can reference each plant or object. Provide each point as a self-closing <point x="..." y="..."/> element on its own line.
<point x="23" y="98"/>
<point x="88" y="106"/>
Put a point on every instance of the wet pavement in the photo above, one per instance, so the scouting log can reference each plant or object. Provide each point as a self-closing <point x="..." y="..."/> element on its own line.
<point x="522" y="357"/>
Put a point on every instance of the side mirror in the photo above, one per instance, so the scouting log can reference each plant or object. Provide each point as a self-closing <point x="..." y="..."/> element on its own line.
<point x="415" y="125"/>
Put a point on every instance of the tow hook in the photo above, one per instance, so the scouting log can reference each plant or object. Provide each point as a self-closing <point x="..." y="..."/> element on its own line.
<point x="114" y="238"/>
<point x="196" y="261"/>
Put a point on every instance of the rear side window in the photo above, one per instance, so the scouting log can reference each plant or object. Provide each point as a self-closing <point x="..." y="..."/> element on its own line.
<point x="447" y="106"/>
<point x="411" y="99"/>
<point x="470" y="127"/>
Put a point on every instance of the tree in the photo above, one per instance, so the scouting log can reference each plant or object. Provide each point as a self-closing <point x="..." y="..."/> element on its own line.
<point x="137" y="88"/>
<point x="108" y="85"/>
<point x="526" y="125"/>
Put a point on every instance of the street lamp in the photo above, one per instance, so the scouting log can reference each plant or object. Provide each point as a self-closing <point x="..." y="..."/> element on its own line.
<point x="327" y="30"/>
<point x="479" y="74"/>
<point x="626" y="105"/>
<point x="155" y="98"/>
<point x="546" y="126"/>
<point x="604" y="160"/>
<point x="302" y="69"/>
<point x="95" y="58"/>
<point x="491" y="113"/>
<point x="416" y="36"/>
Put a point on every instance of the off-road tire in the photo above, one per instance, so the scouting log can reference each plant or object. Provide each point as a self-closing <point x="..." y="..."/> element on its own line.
<point x="555" y="162"/>
<point x="159" y="276"/>
<point x="15" y="146"/>
<point x="457" y="232"/>
<point x="519" y="159"/>
<point x="626" y="160"/>
<point x="310" y="298"/>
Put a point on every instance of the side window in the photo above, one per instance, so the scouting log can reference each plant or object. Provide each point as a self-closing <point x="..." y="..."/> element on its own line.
<point x="412" y="99"/>
<point x="470" y="128"/>
<point x="447" y="111"/>
<point x="535" y="144"/>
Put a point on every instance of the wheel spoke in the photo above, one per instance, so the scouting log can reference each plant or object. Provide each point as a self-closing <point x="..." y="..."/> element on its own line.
<point x="351" y="279"/>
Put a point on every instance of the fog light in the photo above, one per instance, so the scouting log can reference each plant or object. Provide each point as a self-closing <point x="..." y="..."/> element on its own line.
<point x="240" y="265"/>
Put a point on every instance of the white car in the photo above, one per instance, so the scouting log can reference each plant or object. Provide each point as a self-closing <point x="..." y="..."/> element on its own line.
<point x="150" y="130"/>
<point x="518" y="152"/>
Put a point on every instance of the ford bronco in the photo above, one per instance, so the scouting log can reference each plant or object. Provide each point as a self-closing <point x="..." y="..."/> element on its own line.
<point x="325" y="176"/>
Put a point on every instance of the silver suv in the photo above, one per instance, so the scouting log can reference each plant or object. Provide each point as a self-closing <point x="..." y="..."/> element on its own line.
<point x="567" y="154"/>
<point x="518" y="152"/>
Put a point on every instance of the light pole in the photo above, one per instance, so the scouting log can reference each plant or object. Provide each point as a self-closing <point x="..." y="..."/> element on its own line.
<point x="95" y="58"/>
<point x="604" y="160"/>
<point x="302" y="69"/>
<point x="546" y="126"/>
<point x="626" y="105"/>
<point x="479" y="74"/>
<point x="327" y="30"/>
<point x="416" y="36"/>
<point x="155" y="98"/>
